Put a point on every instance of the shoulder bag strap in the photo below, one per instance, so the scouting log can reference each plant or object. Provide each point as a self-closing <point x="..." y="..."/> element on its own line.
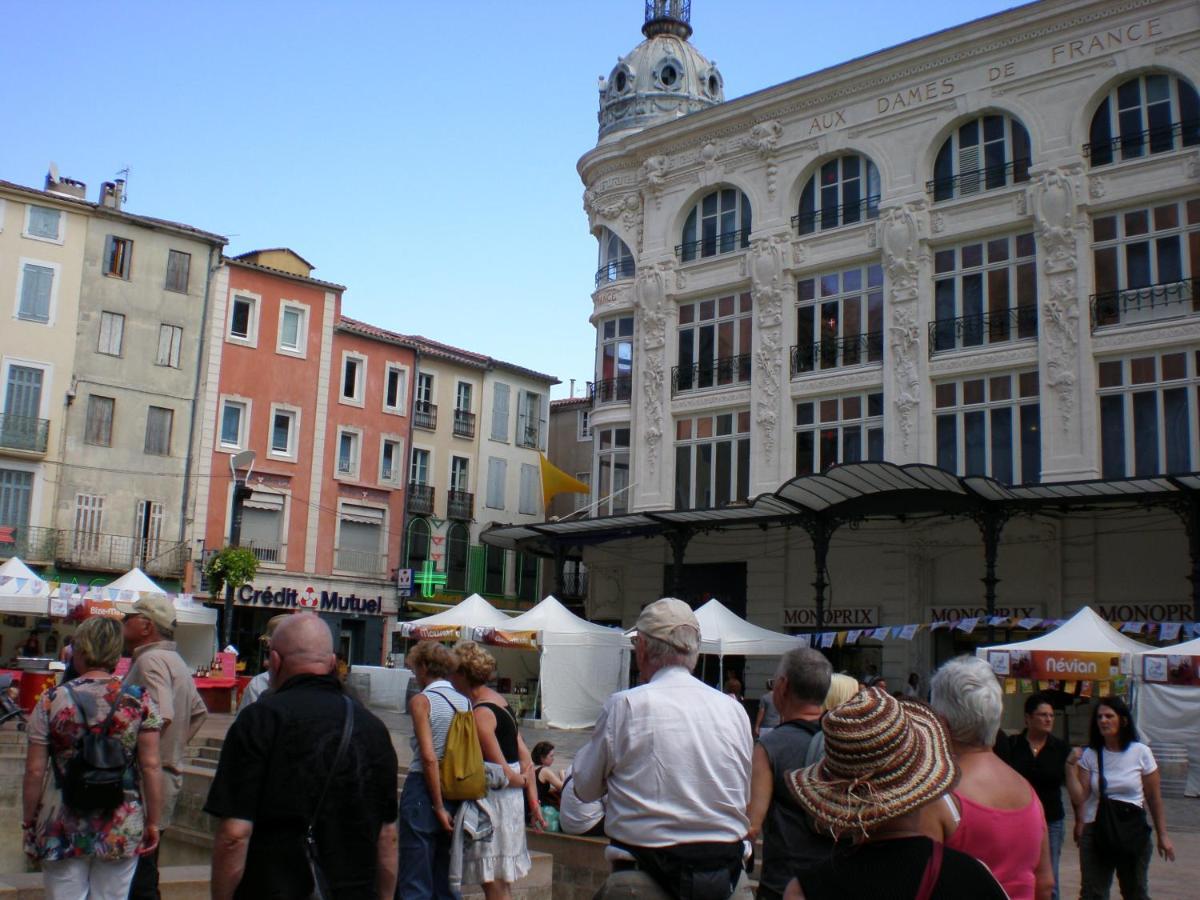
<point x="1100" y="764"/>
<point x="347" y="728"/>
<point x="933" y="871"/>
<point x="454" y="710"/>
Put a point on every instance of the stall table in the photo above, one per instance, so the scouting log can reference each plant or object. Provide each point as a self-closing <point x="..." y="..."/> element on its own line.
<point x="216" y="692"/>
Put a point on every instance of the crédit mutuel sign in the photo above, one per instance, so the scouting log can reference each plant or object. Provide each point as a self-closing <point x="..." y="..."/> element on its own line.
<point x="310" y="599"/>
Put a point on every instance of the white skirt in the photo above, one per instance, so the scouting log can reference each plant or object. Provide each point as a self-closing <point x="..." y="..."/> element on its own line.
<point x="504" y="856"/>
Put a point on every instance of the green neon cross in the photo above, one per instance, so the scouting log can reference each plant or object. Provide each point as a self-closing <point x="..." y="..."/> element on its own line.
<point x="428" y="579"/>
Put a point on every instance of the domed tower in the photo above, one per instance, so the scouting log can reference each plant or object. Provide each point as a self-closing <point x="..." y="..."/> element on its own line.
<point x="664" y="77"/>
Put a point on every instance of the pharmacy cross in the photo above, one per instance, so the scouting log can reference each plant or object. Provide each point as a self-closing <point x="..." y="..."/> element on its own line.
<point x="428" y="579"/>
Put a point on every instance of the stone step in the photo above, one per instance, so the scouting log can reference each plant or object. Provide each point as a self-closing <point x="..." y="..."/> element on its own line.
<point x="201" y="763"/>
<point x="213" y="753"/>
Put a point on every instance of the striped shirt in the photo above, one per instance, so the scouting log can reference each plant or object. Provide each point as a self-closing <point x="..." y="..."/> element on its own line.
<point x="440" y="716"/>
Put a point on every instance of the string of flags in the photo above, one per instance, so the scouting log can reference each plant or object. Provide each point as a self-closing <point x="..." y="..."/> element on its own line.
<point x="69" y="590"/>
<point x="1107" y="688"/>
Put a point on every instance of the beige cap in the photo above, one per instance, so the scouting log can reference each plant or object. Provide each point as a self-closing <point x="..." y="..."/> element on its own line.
<point x="662" y="618"/>
<point x="158" y="609"/>
<point x="272" y="624"/>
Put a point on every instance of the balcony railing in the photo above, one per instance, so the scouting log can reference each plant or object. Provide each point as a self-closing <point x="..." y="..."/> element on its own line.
<point x="976" y="180"/>
<point x="460" y="505"/>
<point x="1145" y="304"/>
<point x="362" y="561"/>
<point x="464" y="423"/>
<point x="120" y="553"/>
<point x="528" y="436"/>
<point x="1012" y="324"/>
<point x="32" y="543"/>
<point x="425" y="415"/>
<point x="575" y="584"/>
<point x="725" y="242"/>
<point x="834" y="216"/>
<point x="1137" y="144"/>
<point x="833" y="353"/>
<point x="25" y="433"/>
<point x="616" y="270"/>
<point x="612" y="390"/>
<point x="420" y="498"/>
<point x="266" y="553"/>
<point x="726" y="370"/>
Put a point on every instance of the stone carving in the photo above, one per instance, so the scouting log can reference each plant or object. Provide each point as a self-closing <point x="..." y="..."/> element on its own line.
<point x="1096" y="188"/>
<point x="898" y="233"/>
<point x="1060" y="315"/>
<point x="654" y="171"/>
<point x="1056" y="221"/>
<point x="651" y="294"/>
<point x="652" y="387"/>
<point x="768" y="258"/>
<point x="1191" y="166"/>
<point x="680" y="280"/>
<point x="710" y="169"/>
<point x="905" y="346"/>
<point x="764" y="138"/>
<point x="1021" y="202"/>
<point x="938" y="223"/>
<point x="626" y="207"/>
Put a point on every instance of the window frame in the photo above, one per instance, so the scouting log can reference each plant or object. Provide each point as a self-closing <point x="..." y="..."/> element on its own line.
<point x="55" y="273"/>
<point x="961" y="408"/>
<point x="110" y="317"/>
<point x="1116" y="142"/>
<point x="187" y="271"/>
<point x="867" y="342"/>
<point x="948" y="186"/>
<point x="170" y="419"/>
<point x="292" y="451"/>
<point x="300" y="351"/>
<point x="869" y="424"/>
<point x="1016" y="322"/>
<point x="738" y="435"/>
<point x="360" y="379"/>
<point x="87" y="420"/>
<point x="123" y="260"/>
<point x="246" y="404"/>
<point x="174" y="347"/>
<point x="615" y="384"/>
<point x="583" y="425"/>
<point x="821" y="218"/>
<point x="356" y="434"/>
<point x="694" y="243"/>
<point x="59" y="237"/>
<point x="1158" y="386"/>
<point x="398" y="461"/>
<point x="391" y="367"/>
<point x="255" y="302"/>
<point x="608" y="462"/>
<point x="728" y="372"/>
<point x="418" y="453"/>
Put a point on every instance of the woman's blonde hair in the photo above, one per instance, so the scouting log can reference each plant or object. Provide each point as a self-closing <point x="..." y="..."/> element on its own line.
<point x="435" y="658"/>
<point x="99" y="642"/>
<point x="474" y="663"/>
<point x="841" y="689"/>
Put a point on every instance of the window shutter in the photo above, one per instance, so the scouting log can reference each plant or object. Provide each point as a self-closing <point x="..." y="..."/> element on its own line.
<point x="969" y="181"/>
<point x="529" y="479"/>
<point x="500" y="412"/>
<point x="544" y="423"/>
<point x="497" y="472"/>
<point x="35" y="292"/>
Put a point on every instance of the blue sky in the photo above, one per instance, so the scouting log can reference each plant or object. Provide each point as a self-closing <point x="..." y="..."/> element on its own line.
<point x="423" y="155"/>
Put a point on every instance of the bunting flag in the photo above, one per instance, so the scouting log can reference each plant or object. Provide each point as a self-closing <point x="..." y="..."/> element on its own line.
<point x="908" y="632"/>
<point x="1169" y="631"/>
<point x="1029" y="623"/>
<point x="1133" y="627"/>
<point x="827" y="639"/>
<point x="853" y="635"/>
<point x="555" y="481"/>
<point x="880" y="634"/>
<point x="967" y="625"/>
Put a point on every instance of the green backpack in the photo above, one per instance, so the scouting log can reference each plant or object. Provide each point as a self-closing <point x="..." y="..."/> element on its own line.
<point x="461" y="769"/>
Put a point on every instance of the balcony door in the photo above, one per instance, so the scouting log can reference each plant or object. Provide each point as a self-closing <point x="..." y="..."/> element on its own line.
<point x="147" y="529"/>
<point x="22" y="408"/>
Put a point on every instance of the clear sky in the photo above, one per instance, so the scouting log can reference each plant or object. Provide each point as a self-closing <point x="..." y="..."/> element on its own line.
<point x="422" y="154"/>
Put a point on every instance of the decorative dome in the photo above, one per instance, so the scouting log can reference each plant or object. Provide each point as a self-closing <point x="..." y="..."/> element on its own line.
<point x="663" y="78"/>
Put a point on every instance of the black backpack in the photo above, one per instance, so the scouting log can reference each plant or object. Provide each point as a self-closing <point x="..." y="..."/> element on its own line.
<point x="94" y="778"/>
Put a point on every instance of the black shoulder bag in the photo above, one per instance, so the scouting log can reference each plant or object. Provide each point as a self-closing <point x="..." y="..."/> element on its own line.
<point x="320" y="888"/>
<point x="94" y="777"/>
<point x="1120" y="828"/>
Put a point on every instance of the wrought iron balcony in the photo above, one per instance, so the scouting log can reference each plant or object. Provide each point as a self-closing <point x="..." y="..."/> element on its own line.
<point x="976" y="180"/>
<point x="420" y="498"/>
<point x="460" y="505"/>
<point x="725" y="242"/>
<point x="612" y="390"/>
<point x="120" y="553"/>
<point x="32" y="543"/>
<point x="725" y="370"/>
<point x="24" y="433"/>
<point x="266" y="553"/>
<point x="616" y="270"/>
<point x="363" y="562"/>
<point x="528" y="436"/>
<point x="464" y="423"/>
<point x="835" y="216"/>
<point x="1139" y="143"/>
<point x="1145" y="304"/>
<point x="425" y="416"/>
<point x="1012" y="324"/>
<point x="574" y="584"/>
<point x="833" y="353"/>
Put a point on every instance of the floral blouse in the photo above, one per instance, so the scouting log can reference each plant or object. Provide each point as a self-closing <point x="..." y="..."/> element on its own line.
<point x="62" y="833"/>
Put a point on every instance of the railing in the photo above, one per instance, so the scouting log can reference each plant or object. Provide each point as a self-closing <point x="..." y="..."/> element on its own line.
<point x="120" y="553"/>
<point x="833" y="216"/>
<point x="612" y="390"/>
<point x="1145" y="304"/>
<point x="831" y="353"/>
<point x="528" y="436"/>
<point x="976" y="180"/>
<point x="725" y="370"/>
<point x="464" y="423"/>
<point x="364" y="562"/>
<point x="616" y="270"/>
<point x="345" y="465"/>
<point x="725" y="242"/>
<point x="668" y="9"/>
<point x="33" y="543"/>
<point x="1012" y="324"/>
<point x="24" y="433"/>
<point x="574" y="584"/>
<point x="420" y="498"/>
<point x="1133" y="145"/>
<point x="266" y="553"/>
<point x="425" y="416"/>
<point x="460" y="505"/>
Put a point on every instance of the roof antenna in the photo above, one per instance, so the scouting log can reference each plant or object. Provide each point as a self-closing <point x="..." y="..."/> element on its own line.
<point x="123" y="176"/>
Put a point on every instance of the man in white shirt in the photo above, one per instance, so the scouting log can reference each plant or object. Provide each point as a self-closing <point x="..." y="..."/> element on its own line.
<point x="673" y="756"/>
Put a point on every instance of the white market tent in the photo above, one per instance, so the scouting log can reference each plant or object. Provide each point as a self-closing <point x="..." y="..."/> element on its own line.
<point x="23" y="592"/>
<point x="725" y="633"/>
<point x="196" y="631"/>
<point x="1169" y="714"/>
<point x="1084" y="632"/>
<point x="472" y="612"/>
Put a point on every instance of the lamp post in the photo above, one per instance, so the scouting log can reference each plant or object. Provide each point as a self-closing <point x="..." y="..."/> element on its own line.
<point x="245" y="460"/>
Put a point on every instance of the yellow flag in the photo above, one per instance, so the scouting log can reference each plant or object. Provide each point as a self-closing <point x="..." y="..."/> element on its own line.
<point x="555" y="481"/>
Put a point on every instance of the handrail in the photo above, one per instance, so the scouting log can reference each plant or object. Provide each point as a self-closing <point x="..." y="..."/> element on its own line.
<point x="948" y="188"/>
<point x="24" y="433"/>
<point x="1110" y="307"/>
<point x="866" y="347"/>
<point x="460" y="504"/>
<point x="718" y="372"/>
<point x="616" y="270"/>
<point x="970" y="331"/>
<point x="425" y="415"/>
<point x="420" y="498"/>
<point x="612" y="390"/>
<point x="1106" y="150"/>
<point x="464" y="423"/>
<point x="805" y="223"/>
<point x="728" y="241"/>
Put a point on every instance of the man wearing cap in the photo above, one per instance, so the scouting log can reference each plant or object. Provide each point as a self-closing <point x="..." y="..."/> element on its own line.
<point x="673" y="757"/>
<point x="158" y="667"/>
<point x="261" y="683"/>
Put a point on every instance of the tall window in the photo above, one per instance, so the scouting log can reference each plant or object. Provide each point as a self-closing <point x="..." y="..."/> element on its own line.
<point x="360" y="539"/>
<point x="1147" y="263"/>
<point x="170" y="342"/>
<point x="839" y="319"/>
<point x="464" y="418"/>
<point x="843" y="191"/>
<point x="89" y="522"/>
<point x="348" y="449"/>
<point x="529" y="498"/>
<point x="99" y="426"/>
<point x="234" y="416"/>
<point x="179" y="266"/>
<point x="16" y="497"/>
<point x="1148" y="410"/>
<point x="714" y="343"/>
<point x="424" y="409"/>
<point x="159" y="421"/>
<point x="838" y="430"/>
<point x="112" y="331"/>
<point x="990" y="426"/>
<point x="460" y="474"/>
<point x="118" y="254"/>
<point x="291" y="328"/>
<point x="719" y="223"/>
<point x="243" y="319"/>
<point x="419" y="467"/>
<point x="417" y="550"/>
<point x="44" y="222"/>
<point x="496" y="482"/>
<point x="389" y="460"/>
<point x="985" y="293"/>
<point x="1147" y="114"/>
<point x="458" y="546"/>
<point x="616" y="361"/>
<point x="37" y="287"/>
<point x="612" y="451"/>
<point x="283" y="432"/>
<point x="712" y="460"/>
<point x="493" y="575"/>
<point x="21" y="426"/>
<point x="982" y="154"/>
<point x="616" y="262"/>
<point x="530" y="421"/>
<point x="395" y="389"/>
<point x="353" y="368"/>
<point x="527" y="577"/>
<point x="263" y="528"/>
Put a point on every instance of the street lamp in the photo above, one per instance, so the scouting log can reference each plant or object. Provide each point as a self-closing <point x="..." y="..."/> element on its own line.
<point x="243" y="460"/>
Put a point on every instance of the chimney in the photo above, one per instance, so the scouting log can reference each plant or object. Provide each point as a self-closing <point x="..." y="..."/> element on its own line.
<point x="112" y="193"/>
<point x="67" y="187"/>
<point x="572" y="388"/>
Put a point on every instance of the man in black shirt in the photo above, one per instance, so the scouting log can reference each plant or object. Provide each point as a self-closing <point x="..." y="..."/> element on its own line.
<point x="273" y="768"/>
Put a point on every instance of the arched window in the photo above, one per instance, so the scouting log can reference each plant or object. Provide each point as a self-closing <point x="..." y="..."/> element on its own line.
<point x="719" y="223"/>
<point x="458" y="545"/>
<point x="493" y="575"/>
<point x="843" y="191"/>
<point x="983" y="154"/>
<point x="1148" y="114"/>
<point x="616" y="261"/>
<point x="417" y="550"/>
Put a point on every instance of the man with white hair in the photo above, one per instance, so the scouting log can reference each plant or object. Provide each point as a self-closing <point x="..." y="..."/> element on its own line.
<point x="673" y="757"/>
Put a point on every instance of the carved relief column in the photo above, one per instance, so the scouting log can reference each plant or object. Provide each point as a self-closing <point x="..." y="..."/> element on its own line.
<point x="905" y="398"/>
<point x="771" y="459"/>
<point x="650" y="437"/>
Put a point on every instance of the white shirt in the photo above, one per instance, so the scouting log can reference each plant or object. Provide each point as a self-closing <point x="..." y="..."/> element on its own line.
<point x="674" y="757"/>
<point x="256" y="688"/>
<point x="575" y="816"/>
<point x="1122" y="776"/>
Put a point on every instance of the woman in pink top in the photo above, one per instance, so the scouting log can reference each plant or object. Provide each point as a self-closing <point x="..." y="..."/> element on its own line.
<point x="993" y="813"/>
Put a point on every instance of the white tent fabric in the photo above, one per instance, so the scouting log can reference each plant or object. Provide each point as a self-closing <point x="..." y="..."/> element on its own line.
<point x="725" y="633"/>
<point x="582" y="663"/>
<point x="1169" y="714"/>
<point x="1084" y="632"/>
<point x="185" y="613"/>
<point x="31" y="598"/>
<point x="468" y="613"/>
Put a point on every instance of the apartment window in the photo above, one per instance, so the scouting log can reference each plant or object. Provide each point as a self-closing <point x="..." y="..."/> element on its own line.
<point x="112" y="330"/>
<point x="353" y="368"/>
<point x="235" y="417"/>
<point x="147" y="530"/>
<point x="179" y="267"/>
<point x="22" y="427"/>
<point x="418" y="540"/>
<point x="99" y="424"/>
<point x="980" y="155"/>
<point x="360" y="536"/>
<point x="531" y="423"/>
<point x="841" y="192"/>
<point x="583" y="501"/>
<point x="460" y="472"/>
<point x="500" y="395"/>
<point x="458" y="544"/>
<point x="984" y="293"/>
<point x="839" y="320"/>
<point x="529" y="498"/>
<point x="424" y="409"/>
<point x="990" y="426"/>
<point x="348" y="449"/>
<point x="170" y="342"/>
<point x="838" y="430"/>
<point x="1147" y="262"/>
<point x="719" y="223"/>
<point x="158" y="430"/>
<point x="616" y="262"/>
<point x="16" y="497"/>
<point x="37" y="286"/>
<point x="1152" y="113"/>
<point x="293" y="331"/>
<point x="612" y="456"/>
<point x="583" y="427"/>
<point x="493" y="574"/>
<point x="712" y="460"/>
<point x="462" y="396"/>
<point x="1148" y="414"/>
<point x="390" y="453"/>
<point x="527" y="577"/>
<point x="118" y="253"/>
<point x="284" y="432"/>
<point x="616" y="361"/>
<point x="395" y="389"/>
<point x="714" y="343"/>
<point x="89" y="522"/>
<point x="243" y="319"/>
<point x="464" y="419"/>
<point x="43" y="222"/>
<point x="496" y="477"/>
<point x="419" y="468"/>
<point x="263" y="517"/>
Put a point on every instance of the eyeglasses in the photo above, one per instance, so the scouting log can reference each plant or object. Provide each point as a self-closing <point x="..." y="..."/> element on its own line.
<point x="770" y="684"/>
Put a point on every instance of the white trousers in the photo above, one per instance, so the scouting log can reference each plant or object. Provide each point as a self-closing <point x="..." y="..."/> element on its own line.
<point x="88" y="878"/>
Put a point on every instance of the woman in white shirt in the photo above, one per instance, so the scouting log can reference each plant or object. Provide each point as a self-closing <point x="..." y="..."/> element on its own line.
<point x="1130" y="775"/>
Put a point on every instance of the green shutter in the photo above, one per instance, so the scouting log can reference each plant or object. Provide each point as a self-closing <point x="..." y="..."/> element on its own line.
<point x="476" y="569"/>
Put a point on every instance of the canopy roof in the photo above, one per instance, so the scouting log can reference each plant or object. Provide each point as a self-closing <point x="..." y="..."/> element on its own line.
<point x="1084" y="632"/>
<point x="551" y="617"/>
<point x="1188" y="648"/>
<point x="725" y="633"/>
<point x="135" y="580"/>
<point x="472" y="611"/>
<point x="15" y="568"/>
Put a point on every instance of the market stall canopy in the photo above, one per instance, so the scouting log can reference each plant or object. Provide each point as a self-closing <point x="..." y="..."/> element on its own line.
<point x="725" y="633"/>
<point x="1083" y="648"/>
<point x="1168" y="708"/>
<point x="22" y="591"/>
<point x="186" y="612"/>
<point x="472" y="612"/>
<point x="551" y="617"/>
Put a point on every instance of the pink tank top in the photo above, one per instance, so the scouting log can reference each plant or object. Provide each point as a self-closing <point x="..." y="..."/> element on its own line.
<point x="1007" y="841"/>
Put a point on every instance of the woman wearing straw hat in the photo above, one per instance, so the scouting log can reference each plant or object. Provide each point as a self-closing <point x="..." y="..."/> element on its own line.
<point x="885" y="759"/>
